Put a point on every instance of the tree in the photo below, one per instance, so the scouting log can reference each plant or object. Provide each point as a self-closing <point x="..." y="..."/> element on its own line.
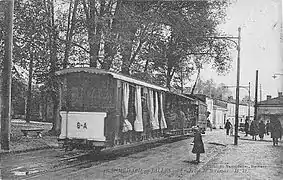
<point x="36" y="44"/>
<point x="210" y="88"/>
<point x="175" y="43"/>
<point x="153" y="38"/>
<point x="28" y="42"/>
<point x="70" y="30"/>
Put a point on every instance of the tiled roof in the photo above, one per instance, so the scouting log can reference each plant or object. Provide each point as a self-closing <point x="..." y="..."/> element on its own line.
<point x="272" y="101"/>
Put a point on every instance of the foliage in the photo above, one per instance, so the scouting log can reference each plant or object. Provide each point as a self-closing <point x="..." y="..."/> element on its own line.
<point x="210" y="88"/>
<point x="161" y="40"/>
<point x="170" y="41"/>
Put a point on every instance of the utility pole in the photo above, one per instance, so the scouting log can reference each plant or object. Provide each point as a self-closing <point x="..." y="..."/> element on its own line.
<point x="260" y="93"/>
<point x="237" y="89"/>
<point x="7" y="74"/>
<point x="230" y="38"/>
<point x="249" y="104"/>
<point x="256" y="87"/>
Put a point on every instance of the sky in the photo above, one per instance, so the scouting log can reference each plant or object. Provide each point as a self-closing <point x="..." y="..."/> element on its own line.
<point x="260" y="42"/>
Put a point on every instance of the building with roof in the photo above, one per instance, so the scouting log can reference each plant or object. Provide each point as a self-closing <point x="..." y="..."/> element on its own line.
<point x="271" y="106"/>
<point x="219" y="116"/>
<point x="217" y="109"/>
<point x="221" y="110"/>
<point x="244" y="110"/>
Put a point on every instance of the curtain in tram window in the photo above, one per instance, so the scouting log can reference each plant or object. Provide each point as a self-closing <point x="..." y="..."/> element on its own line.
<point x="138" y="124"/>
<point x="127" y="126"/>
<point x="156" y="111"/>
<point x="163" y="124"/>
<point x="150" y="106"/>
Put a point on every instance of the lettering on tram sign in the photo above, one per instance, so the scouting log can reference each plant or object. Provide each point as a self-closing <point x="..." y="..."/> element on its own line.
<point x="81" y="125"/>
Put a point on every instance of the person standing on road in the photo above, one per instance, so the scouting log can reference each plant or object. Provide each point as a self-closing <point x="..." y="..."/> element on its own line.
<point x="228" y="126"/>
<point x="276" y="130"/>
<point x="231" y="130"/>
<point x="254" y="130"/>
<point x="261" y="130"/>
<point x="247" y="127"/>
<point x="267" y="128"/>
<point x="209" y="124"/>
<point x="198" y="147"/>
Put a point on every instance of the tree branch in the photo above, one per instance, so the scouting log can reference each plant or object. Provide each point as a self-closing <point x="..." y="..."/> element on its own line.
<point x="75" y="44"/>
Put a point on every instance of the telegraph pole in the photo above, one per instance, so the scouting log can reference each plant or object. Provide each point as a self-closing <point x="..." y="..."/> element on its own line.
<point x="238" y="44"/>
<point x="256" y="87"/>
<point x="7" y="74"/>
<point x="237" y="89"/>
<point x="260" y="93"/>
<point x="249" y="110"/>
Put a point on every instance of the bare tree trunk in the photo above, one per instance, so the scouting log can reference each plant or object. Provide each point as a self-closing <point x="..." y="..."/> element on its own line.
<point x="93" y="41"/>
<point x="126" y="53"/>
<point x="146" y="65"/>
<point x="170" y="71"/>
<point x="169" y="77"/>
<point x="194" y="87"/>
<point x="29" y="92"/>
<point x="54" y="92"/>
<point x="126" y="59"/>
<point x="56" y="129"/>
<point x="93" y="19"/>
<point x="70" y="30"/>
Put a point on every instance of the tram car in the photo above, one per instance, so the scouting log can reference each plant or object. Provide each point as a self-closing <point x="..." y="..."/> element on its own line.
<point x="201" y="115"/>
<point x="102" y="109"/>
<point x="179" y="113"/>
<point x="199" y="109"/>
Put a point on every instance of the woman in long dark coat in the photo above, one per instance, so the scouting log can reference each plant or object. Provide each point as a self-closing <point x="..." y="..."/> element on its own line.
<point x="247" y="126"/>
<point x="276" y="130"/>
<point x="198" y="145"/>
<point x="261" y="130"/>
<point x="253" y="130"/>
<point x="267" y="126"/>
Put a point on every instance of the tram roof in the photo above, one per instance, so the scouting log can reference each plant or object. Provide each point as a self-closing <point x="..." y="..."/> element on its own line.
<point x="115" y="75"/>
<point x="182" y="95"/>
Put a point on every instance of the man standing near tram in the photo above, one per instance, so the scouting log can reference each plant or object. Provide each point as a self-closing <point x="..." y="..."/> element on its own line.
<point x="228" y="126"/>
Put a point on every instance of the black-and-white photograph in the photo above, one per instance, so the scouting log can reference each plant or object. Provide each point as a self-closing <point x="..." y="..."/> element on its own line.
<point x="141" y="89"/>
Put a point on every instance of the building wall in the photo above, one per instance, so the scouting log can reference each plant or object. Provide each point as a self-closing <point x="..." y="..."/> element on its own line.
<point x="209" y="103"/>
<point x="219" y="117"/>
<point x="252" y="112"/>
<point x="231" y="110"/>
<point x="243" y="112"/>
<point x="270" y="110"/>
<point x="271" y="106"/>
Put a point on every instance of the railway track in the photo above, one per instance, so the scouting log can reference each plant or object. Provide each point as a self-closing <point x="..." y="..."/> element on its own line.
<point x="72" y="163"/>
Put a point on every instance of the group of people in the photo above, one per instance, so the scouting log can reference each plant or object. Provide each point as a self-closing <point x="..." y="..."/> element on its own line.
<point x="254" y="129"/>
<point x="257" y="129"/>
<point x="260" y="129"/>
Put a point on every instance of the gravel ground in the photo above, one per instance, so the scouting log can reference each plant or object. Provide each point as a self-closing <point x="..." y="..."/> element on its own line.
<point x="255" y="160"/>
<point x="169" y="161"/>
